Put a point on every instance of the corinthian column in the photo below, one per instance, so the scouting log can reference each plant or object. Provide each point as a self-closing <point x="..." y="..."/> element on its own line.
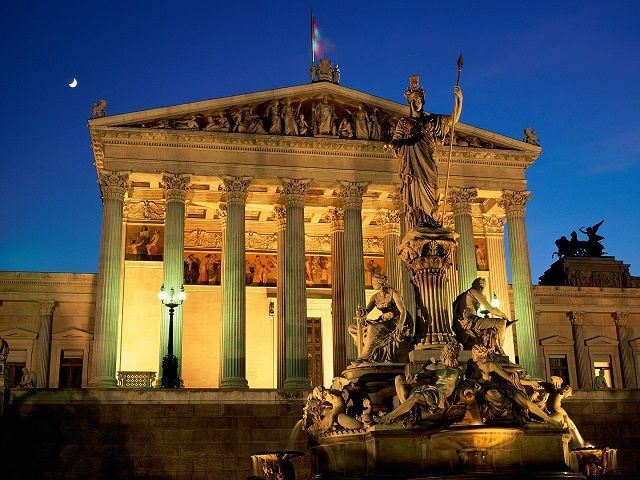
<point x="390" y="222"/>
<point x="176" y="187"/>
<point x="460" y="201"/>
<point x="43" y="343"/>
<point x="583" y="366"/>
<point x="279" y="213"/>
<point x="626" y="354"/>
<point x="513" y="203"/>
<point x="341" y="337"/>
<point x="494" y="231"/>
<point x="295" y="308"/>
<point x="354" y="294"/>
<point x="234" y="301"/>
<point x="406" y="287"/>
<point x="102" y="367"/>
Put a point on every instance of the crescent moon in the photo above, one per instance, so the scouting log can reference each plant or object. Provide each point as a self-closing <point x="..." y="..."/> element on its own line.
<point x="74" y="84"/>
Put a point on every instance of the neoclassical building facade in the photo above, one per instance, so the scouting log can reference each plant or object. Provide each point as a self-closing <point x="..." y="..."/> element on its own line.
<point x="274" y="210"/>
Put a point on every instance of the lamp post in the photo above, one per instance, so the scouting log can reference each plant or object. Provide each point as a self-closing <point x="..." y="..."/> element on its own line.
<point x="495" y="303"/>
<point x="171" y="300"/>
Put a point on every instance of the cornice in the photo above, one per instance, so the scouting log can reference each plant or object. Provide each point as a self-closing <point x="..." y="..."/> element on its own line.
<point x="278" y="144"/>
<point x="586" y="292"/>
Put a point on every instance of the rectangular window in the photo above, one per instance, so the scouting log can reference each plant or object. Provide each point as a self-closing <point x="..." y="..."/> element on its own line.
<point x="559" y="367"/>
<point x="70" y="369"/>
<point x="15" y="373"/>
<point x="602" y="374"/>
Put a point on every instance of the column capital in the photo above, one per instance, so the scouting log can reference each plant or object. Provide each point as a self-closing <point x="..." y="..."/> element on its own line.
<point x="575" y="317"/>
<point x="175" y="186"/>
<point x="47" y="307"/>
<point x="222" y="213"/>
<point x="335" y="216"/>
<point x="461" y="198"/>
<point x="620" y="318"/>
<point x="294" y="190"/>
<point x="493" y="225"/>
<point x="351" y="193"/>
<point x="280" y="216"/>
<point x="236" y="189"/>
<point x="389" y="220"/>
<point x="513" y="201"/>
<point x="113" y="184"/>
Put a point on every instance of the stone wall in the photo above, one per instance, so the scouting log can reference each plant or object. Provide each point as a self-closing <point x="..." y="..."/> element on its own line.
<point x="109" y="434"/>
<point x="609" y="418"/>
<point x="209" y="434"/>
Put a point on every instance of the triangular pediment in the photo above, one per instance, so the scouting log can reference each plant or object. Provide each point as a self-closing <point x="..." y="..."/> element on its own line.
<point x="601" y="340"/>
<point x="555" y="340"/>
<point x="18" y="333"/>
<point x="319" y="109"/>
<point x="72" y="332"/>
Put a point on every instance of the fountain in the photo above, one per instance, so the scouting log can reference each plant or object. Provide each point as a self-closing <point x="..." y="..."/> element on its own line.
<point x="397" y="412"/>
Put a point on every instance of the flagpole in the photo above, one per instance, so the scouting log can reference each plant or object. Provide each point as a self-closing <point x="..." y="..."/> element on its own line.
<point x="453" y="124"/>
<point x="313" y="52"/>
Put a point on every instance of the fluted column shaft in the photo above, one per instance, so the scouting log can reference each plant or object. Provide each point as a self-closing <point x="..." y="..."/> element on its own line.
<point x="279" y="213"/>
<point x="341" y="337"/>
<point x="460" y="200"/>
<point x="222" y="215"/>
<point x="529" y="357"/>
<point x="354" y="293"/>
<point x="234" y="301"/>
<point x="42" y="346"/>
<point x="406" y="286"/>
<point x="176" y="187"/>
<point x="295" y="308"/>
<point x="583" y="365"/>
<point x="102" y="367"/>
<point x="494" y="231"/>
<point x="626" y="353"/>
<point x="390" y="222"/>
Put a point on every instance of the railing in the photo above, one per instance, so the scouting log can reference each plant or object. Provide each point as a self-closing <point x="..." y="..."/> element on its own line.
<point x="136" y="379"/>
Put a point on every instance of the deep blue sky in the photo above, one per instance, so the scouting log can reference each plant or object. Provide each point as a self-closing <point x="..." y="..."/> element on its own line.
<point x="571" y="70"/>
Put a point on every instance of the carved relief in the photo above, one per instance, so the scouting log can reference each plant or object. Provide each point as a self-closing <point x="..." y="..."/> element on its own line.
<point x="317" y="243"/>
<point x="291" y="116"/>
<point x="143" y="210"/>
<point x="202" y="238"/>
<point x="373" y="245"/>
<point x="261" y="241"/>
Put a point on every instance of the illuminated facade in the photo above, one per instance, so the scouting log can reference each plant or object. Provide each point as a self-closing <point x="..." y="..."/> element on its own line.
<point x="274" y="209"/>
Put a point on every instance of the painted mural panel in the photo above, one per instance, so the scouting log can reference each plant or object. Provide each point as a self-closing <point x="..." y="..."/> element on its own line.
<point x="202" y="268"/>
<point x="372" y="266"/>
<point x="144" y="242"/>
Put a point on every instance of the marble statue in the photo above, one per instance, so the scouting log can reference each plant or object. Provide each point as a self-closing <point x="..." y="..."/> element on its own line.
<point x="336" y="74"/>
<point x="276" y="120"/>
<point x="217" y="124"/>
<point x="345" y="129"/>
<point x="190" y="123"/>
<point x="501" y="392"/>
<point x="289" y="119"/>
<point x="380" y="340"/>
<point x="557" y="391"/>
<point x="437" y="395"/>
<point x="99" y="109"/>
<point x="361" y="122"/>
<point x="471" y="328"/>
<point x="375" y="125"/>
<point x="599" y="380"/>
<point x="28" y="379"/>
<point x="303" y="126"/>
<point x="531" y="136"/>
<point x="415" y="140"/>
<point x="324" y="117"/>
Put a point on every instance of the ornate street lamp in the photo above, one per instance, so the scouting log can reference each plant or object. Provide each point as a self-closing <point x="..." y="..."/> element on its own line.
<point x="495" y="303"/>
<point x="171" y="300"/>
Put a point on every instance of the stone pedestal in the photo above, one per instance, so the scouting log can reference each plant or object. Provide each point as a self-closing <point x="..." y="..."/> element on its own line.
<point x="428" y="253"/>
